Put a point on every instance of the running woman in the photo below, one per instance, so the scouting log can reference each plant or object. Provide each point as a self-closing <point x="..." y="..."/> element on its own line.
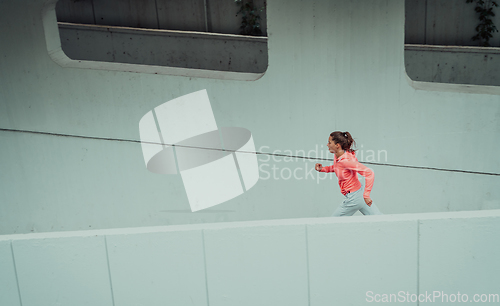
<point x="346" y="166"/>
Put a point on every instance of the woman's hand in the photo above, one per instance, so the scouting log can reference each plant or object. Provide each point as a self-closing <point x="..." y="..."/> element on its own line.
<point x="318" y="167"/>
<point x="368" y="201"/>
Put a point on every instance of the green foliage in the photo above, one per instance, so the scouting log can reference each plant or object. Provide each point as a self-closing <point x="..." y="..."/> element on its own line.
<point x="485" y="28"/>
<point x="250" y="19"/>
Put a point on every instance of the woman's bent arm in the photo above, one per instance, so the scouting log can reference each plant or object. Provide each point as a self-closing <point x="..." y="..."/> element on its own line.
<point x="364" y="171"/>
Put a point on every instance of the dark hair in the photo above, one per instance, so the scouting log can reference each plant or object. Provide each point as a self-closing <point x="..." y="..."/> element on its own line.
<point x="344" y="139"/>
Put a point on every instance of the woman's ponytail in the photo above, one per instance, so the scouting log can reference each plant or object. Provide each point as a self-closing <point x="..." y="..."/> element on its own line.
<point x="350" y="141"/>
<point x="344" y="139"/>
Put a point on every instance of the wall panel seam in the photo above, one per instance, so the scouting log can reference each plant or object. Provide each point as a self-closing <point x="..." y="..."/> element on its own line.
<point x="157" y="15"/>
<point x="205" y="264"/>
<point x="109" y="271"/>
<point x="307" y="267"/>
<point x="15" y="272"/>
<point x="418" y="261"/>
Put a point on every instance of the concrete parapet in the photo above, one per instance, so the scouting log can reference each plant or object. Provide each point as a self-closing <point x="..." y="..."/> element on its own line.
<point x="318" y="261"/>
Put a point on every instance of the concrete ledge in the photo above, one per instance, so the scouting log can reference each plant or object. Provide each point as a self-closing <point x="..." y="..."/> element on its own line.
<point x="447" y="87"/>
<point x="453" y="68"/>
<point x="163" y="33"/>
<point x="452" y="49"/>
<point x="494" y="213"/>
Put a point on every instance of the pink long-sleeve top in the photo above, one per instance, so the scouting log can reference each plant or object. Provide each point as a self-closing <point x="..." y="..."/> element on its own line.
<point x="347" y="167"/>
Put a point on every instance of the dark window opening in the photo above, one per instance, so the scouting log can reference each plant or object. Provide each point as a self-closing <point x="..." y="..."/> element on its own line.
<point x="439" y="46"/>
<point x="192" y="34"/>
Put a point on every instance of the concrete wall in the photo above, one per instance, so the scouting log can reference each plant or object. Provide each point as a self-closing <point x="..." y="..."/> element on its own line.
<point x="217" y="16"/>
<point x="164" y="48"/>
<point x="326" y="261"/>
<point x="453" y="64"/>
<point x="442" y="64"/>
<point x="444" y="22"/>
<point x="428" y="22"/>
<point x="333" y="65"/>
<point x="445" y="25"/>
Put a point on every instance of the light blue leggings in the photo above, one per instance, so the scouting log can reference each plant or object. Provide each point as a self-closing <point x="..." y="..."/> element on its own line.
<point x="353" y="202"/>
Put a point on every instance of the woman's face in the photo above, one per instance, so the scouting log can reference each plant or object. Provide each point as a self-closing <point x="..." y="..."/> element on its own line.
<point x="332" y="146"/>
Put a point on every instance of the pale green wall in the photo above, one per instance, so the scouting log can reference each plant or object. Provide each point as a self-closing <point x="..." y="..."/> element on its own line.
<point x="333" y="65"/>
